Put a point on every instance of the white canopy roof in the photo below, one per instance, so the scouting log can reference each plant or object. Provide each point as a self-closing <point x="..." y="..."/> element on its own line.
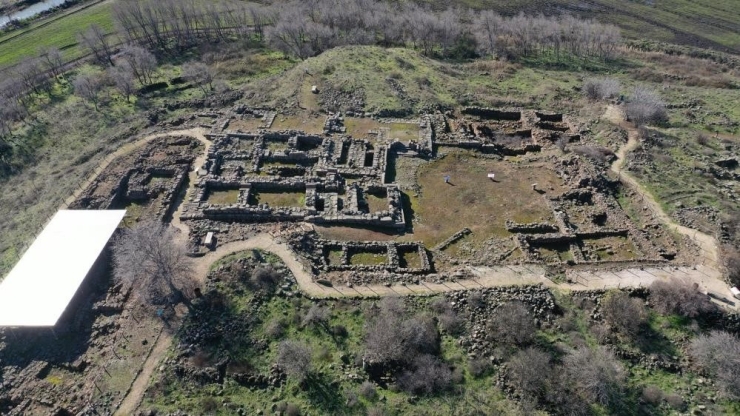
<point x="39" y="288"/>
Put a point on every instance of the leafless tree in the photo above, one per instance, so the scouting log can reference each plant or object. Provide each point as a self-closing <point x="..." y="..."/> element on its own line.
<point x="678" y="296"/>
<point x="94" y="39"/>
<point x="645" y="107"/>
<point x="427" y="375"/>
<point x="512" y="324"/>
<point x="595" y="375"/>
<point x="294" y="358"/>
<point x="53" y="61"/>
<point x="152" y="260"/>
<point x="199" y="74"/>
<point x="530" y="371"/>
<point x="30" y="72"/>
<point x="718" y="354"/>
<point x="141" y="62"/>
<point x="601" y="88"/>
<point x="392" y="337"/>
<point x="123" y="78"/>
<point x="317" y="316"/>
<point x="264" y="278"/>
<point x="88" y="87"/>
<point x="624" y="313"/>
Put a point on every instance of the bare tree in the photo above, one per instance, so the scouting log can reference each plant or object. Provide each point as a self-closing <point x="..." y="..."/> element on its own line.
<point x="95" y="41"/>
<point x="317" y="316"/>
<point x="53" y="61"/>
<point x="530" y="371"/>
<point x="645" y="107"/>
<point x="678" y="296"/>
<point x="623" y="313"/>
<point x="141" y="61"/>
<point x="601" y="88"/>
<point x="88" y="87"/>
<point x="199" y="74"/>
<point x="152" y="260"/>
<point x="294" y="358"/>
<point x="427" y="375"/>
<point x="512" y="324"/>
<point x="718" y="354"/>
<point x="30" y="72"/>
<point x="123" y="78"/>
<point x="595" y="375"/>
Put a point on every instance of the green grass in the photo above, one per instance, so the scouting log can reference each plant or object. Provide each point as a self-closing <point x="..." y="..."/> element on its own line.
<point x="280" y="199"/>
<point x="223" y="197"/>
<point x="61" y="33"/>
<point x="368" y="258"/>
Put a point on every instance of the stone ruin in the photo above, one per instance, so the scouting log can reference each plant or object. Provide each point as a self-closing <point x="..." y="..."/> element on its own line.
<point x="152" y="177"/>
<point x="290" y="176"/>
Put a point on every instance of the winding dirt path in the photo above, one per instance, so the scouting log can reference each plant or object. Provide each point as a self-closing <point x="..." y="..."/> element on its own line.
<point x="707" y="243"/>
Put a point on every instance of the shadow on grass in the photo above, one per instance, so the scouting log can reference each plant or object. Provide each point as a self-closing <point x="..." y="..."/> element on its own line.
<point x="324" y="394"/>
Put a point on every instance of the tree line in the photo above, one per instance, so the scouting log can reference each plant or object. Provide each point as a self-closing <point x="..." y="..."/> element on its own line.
<point x="307" y="28"/>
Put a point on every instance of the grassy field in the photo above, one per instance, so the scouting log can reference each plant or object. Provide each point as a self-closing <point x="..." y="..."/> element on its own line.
<point x="472" y="200"/>
<point x="61" y="33"/>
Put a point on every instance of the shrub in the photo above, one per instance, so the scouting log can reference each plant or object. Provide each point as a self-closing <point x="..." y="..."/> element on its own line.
<point x="678" y="296"/>
<point x="208" y="405"/>
<point x="676" y="402"/>
<point x="317" y="316"/>
<point x="595" y="375"/>
<point x="646" y="107"/>
<point x="451" y="323"/>
<point x="601" y="88"/>
<point x="702" y="139"/>
<point x="718" y="354"/>
<point x="529" y="372"/>
<point x="479" y="367"/>
<point x="599" y="154"/>
<point x="367" y="390"/>
<point x="428" y="375"/>
<point x="652" y="395"/>
<point x="275" y="328"/>
<point x="512" y="324"/>
<point x="294" y="358"/>
<point x="265" y="278"/>
<point x="623" y="313"/>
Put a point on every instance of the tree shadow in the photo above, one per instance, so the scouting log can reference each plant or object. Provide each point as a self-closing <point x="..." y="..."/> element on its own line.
<point x="324" y="394"/>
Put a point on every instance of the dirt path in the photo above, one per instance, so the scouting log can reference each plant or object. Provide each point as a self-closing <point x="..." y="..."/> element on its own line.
<point x="133" y="399"/>
<point x="707" y="243"/>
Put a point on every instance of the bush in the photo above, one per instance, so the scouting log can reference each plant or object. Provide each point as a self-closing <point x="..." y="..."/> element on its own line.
<point x="529" y="372"/>
<point x="208" y="405"/>
<point x="623" y="313"/>
<point x="646" y="107"/>
<point x="599" y="154"/>
<point x="295" y="359"/>
<point x="479" y="367"/>
<point x="265" y="278"/>
<point x="367" y="390"/>
<point x="512" y="324"/>
<point x="275" y="329"/>
<point x="601" y="88"/>
<point x="317" y="316"/>
<point x="595" y="375"/>
<point x="451" y="323"/>
<point x="652" y="395"/>
<point x="718" y="354"/>
<point x="679" y="297"/>
<point x="428" y="375"/>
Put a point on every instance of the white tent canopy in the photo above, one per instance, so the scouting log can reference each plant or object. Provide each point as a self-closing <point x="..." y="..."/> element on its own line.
<point x="39" y="288"/>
